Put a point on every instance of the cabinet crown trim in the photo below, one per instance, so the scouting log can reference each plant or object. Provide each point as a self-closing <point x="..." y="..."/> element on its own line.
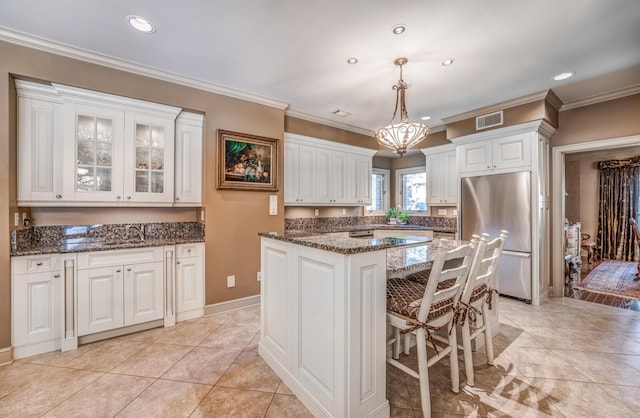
<point x="323" y="143"/>
<point x="538" y="125"/>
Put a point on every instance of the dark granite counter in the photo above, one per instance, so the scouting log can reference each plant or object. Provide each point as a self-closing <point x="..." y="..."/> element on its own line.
<point x="344" y="245"/>
<point x="401" y="260"/>
<point x="83" y="238"/>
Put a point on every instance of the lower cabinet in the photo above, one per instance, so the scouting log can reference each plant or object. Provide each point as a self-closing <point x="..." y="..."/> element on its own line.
<point x="56" y="298"/>
<point x="36" y="304"/>
<point x="189" y="281"/>
<point x="119" y="288"/>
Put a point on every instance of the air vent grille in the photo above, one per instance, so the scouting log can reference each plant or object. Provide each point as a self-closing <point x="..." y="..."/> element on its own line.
<point x="489" y="121"/>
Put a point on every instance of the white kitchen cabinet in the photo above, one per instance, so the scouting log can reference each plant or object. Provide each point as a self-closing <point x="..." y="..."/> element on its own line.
<point x="331" y="175"/>
<point x="442" y="176"/>
<point x="300" y="174"/>
<point x="36" y="304"/>
<point x="188" y="158"/>
<point x="40" y="143"/>
<point x="494" y="155"/>
<point x="325" y="173"/>
<point x="78" y="147"/>
<point x="119" y="288"/>
<point x="189" y="281"/>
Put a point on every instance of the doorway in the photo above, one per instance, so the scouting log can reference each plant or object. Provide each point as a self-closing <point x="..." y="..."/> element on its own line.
<point x="559" y="155"/>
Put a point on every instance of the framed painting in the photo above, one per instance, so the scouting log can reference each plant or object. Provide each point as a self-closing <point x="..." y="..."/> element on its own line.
<point x="247" y="162"/>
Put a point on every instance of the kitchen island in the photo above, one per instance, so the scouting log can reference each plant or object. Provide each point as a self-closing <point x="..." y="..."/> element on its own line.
<point x="323" y="319"/>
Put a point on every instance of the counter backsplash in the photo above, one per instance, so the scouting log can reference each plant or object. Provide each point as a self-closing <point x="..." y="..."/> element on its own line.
<point x="46" y="236"/>
<point x="326" y="224"/>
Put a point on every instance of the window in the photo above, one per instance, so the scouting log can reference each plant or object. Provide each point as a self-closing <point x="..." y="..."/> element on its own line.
<point x="411" y="189"/>
<point x="379" y="191"/>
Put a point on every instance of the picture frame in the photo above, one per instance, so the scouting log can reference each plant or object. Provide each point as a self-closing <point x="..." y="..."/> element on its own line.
<point x="247" y="162"/>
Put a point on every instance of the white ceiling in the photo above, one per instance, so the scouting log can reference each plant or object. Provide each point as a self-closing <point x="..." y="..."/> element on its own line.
<point x="295" y="51"/>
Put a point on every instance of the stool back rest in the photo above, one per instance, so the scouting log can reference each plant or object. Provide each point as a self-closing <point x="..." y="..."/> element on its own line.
<point x="449" y="264"/>
<point x="485" y="265"/>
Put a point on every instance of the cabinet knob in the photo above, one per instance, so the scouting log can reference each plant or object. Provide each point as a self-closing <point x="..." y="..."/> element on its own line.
<point x="177" y="198"/>
<point x="177" y="262"/>
<point x="129" y="269"/>
<point x="128" y="197"/>
<point x="55" y="276"/>
<point x="494" y="166"/>
<point x="118" y="197"/>
<point x="118" y="271"/>
<point x="39" y="263"/>
<point x="58" y="196"/>
<point x="488" y="166"/>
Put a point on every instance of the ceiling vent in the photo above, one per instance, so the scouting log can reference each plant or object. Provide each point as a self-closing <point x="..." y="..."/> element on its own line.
<point x="489" y="121"/>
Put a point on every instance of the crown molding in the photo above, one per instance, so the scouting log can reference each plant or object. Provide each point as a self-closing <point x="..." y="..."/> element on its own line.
<point x="47" y="45"/>
<point x="328" y="122"/>
<point x="603" y="97"/>
<point x="498" y="106"/>
<point x="539" y="125"/>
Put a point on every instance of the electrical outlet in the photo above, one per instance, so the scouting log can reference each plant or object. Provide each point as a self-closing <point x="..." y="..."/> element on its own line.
<point x="259" y="276"/>
<point x="316" y="212"/>
<point x="202" y="215"/>
<point x="455" y="212"/>
<point x="344" y="211"/>
<point x="442" y="211"/>
<point x="16" y="219"/>
<point x="231" y="281"/>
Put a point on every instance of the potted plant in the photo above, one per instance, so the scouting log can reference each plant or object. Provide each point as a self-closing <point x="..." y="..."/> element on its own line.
<point x="395" y="216"/>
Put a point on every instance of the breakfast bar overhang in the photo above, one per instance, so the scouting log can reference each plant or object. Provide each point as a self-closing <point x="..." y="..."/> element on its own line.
<point x="323" y="320"/>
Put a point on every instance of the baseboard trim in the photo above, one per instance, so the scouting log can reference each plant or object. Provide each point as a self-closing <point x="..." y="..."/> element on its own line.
<point x="6" y="356"/>
<point x="231" y="305"/>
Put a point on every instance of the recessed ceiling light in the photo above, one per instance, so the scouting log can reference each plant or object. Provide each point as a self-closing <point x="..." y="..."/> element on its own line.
<point x="341" y="113"/>
<point x="352" y="60"/>
<point x="425" y="118"/>
<point x="141" y="24"/>
<point x="448" y="62"/>
<point x="563" y="76"/>
<point x="399" y="28"/>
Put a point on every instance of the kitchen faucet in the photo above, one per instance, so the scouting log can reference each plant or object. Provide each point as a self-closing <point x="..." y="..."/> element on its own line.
<point x="139" y="230"/>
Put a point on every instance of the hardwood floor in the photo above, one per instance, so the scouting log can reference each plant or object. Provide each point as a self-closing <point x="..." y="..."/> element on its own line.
<point x="569" y="291"/>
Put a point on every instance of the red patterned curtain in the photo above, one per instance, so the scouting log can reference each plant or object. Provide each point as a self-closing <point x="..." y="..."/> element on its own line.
<point x="619" y="184"/>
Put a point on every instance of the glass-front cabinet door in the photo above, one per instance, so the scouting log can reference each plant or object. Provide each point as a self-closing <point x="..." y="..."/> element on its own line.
<point x="149" y="161"/>
<point x="98" y="136"/>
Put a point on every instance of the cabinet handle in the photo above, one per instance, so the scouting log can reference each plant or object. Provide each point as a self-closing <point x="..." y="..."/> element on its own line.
<point x="39" y="263"/>
<point x="58" y="196"/>
<point x="488" y="166"/>
<point x="128" y="197"/>
<point x="177" y="262"/>
<point x="55" y="276"/>
<point x="129" y="269"/>
<point x="118" y="197"/>
<point x="118" y="271"/>
<point x="494" y="166"/>
<point x="177" y="198"/>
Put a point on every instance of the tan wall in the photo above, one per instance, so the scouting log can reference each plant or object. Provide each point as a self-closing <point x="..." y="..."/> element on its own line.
<point x="539" y="109"/>
<point x="316" y="130"/>
<point x="612" y="119"/>
<point x="233" y="218"/>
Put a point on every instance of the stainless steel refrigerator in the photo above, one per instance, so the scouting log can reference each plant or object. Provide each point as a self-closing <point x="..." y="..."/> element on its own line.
<point x="496" y="202"/>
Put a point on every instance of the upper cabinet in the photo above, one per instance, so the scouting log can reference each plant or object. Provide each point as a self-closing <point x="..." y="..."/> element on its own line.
<point x="442" y="176"/>
<point x="319" y="172"/>
<point x="83" y="148"/>
<point x="495" y="155"/>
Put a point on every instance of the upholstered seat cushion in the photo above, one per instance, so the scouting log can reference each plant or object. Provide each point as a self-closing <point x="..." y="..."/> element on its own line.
<point x="422" y="277"/>
<point x="405" y="296"/>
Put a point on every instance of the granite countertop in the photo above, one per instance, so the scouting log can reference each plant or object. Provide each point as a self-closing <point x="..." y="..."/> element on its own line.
<point x="403" y="259"/>
<point x="93" y="244"/>
<point x="367" y="227"/>
<point x="343" y="245"/>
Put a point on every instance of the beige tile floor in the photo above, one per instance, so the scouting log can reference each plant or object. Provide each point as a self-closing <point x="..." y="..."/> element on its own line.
<point x="565" y="358"/>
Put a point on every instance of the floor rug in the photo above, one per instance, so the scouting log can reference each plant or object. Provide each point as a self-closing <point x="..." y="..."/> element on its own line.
<point x="613" y="278"/>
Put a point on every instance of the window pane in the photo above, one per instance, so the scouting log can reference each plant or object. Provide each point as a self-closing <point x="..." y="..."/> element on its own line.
<point x="377" y="192"/>
<point x="414" y="191"/>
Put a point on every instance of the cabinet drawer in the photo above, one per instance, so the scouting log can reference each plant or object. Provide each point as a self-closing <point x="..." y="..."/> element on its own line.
<point x="35" y="264"/>
<point x="189" y="250"/>
<point x="119" y="257"/>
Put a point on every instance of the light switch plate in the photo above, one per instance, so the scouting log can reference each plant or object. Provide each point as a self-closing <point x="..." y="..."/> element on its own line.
<point x="442" y="211"/>
<point x="455" y="212"/>
<point x="273" y="204"/>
